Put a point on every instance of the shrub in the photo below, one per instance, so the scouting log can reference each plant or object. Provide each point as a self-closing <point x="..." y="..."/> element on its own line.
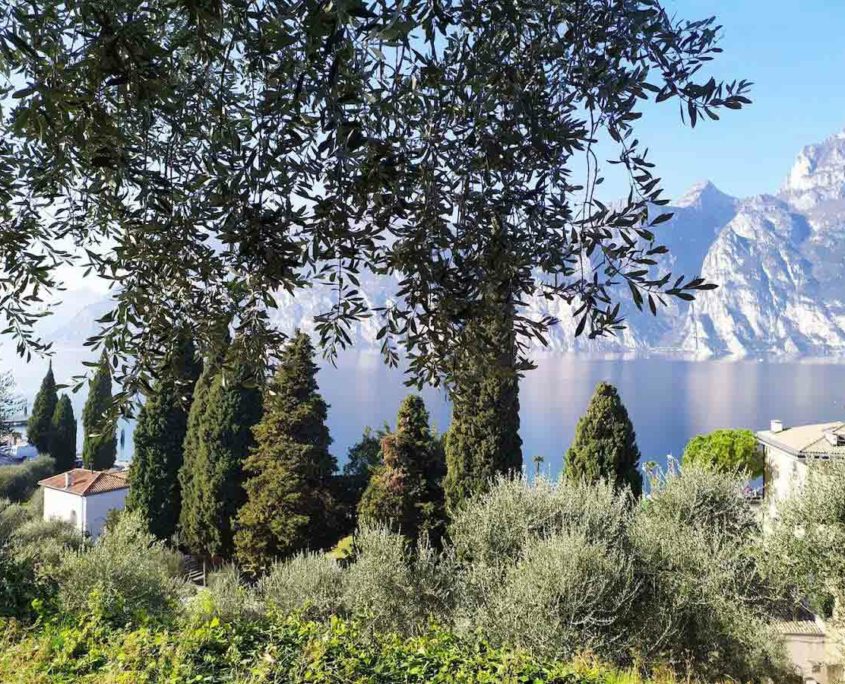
<point x="393" y="586"/>
<point x="803" y="550"/>
<point x="18" y="482"/>
<point x="293" y="651"/>
<point x="30" y="551"/>
<point x="704" y="594"/>
<point x="566" y="595"/>
<point x="308" y="583"/>
<point x="127" y="577"/>
<point x="563" y="568"/>
<point x="494" y="527"/>
<point x="730" y="451"/>
<point x="226" y="598"/>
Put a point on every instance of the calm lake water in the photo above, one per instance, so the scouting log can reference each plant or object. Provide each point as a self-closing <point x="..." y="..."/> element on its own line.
<point x="669" y="401"/>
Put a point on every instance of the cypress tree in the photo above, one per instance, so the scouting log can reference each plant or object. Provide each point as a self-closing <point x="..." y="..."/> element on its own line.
<point x="362" y="459"/>
<point x="406" y="492"/>
<point x="159" y="440"/>
<point x="43" y="408"/>
<point x="63" y="435"/>
<point x="289" y="504"/>
<point x="223" y="441"/>
<point x="190" y="525"/>
<point x="605" y="444"/>
<point x="483" y="439"/>
<point x="100" y="447"/>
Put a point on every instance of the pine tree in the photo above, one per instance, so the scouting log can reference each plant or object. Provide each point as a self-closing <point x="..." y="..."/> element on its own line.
<point x="406" y="492"/>
<point x="63" y="435"/>
<point x="232" y="407"/>
<point x="100" y="447"/>
<point x="289" y="505"/>
<point x="159" y="441"/>
<point x="362" y="459"/>
<point x="483" y="439"/>
<point x="605" y="444"/>
<point x="43" y="408"/>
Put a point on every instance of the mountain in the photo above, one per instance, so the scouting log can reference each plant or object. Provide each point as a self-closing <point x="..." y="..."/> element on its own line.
<point x="777" y="260"/>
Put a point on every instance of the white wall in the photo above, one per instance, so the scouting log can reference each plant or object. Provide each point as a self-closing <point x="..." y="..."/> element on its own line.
<point x="87" y="513"/>
<point x="784" y="474"/>
<point x="97" y="507"/>
<point x="59" y="505"/>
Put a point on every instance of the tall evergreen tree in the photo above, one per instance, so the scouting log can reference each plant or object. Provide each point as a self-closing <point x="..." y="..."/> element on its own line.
<point x="99" y="449"/>
<point x="63" y="435"/>
<point x="159" y="441"/>
<point x="190" y="525"/>
<point x="406" y="492"/>
<point x="232" y="407"/>
<point x="289" y="505"/>
<point x="43" y="408"/>
<point x="362" y="459"/>
<point x="483" y="439"/>
<point x="605" y="444"/>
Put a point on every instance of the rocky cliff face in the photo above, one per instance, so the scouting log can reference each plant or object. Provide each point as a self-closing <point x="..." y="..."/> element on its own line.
<point x="778" y="260"/>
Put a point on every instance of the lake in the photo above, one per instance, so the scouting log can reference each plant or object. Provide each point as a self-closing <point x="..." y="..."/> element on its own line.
<point x="668" y="400"/>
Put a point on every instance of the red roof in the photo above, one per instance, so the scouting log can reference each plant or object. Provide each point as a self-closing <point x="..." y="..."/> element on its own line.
<point x="84" y="482"/>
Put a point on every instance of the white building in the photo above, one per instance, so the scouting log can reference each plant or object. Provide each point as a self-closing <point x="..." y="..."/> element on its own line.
<point x="84" y="498"/>
<point x="813" y="646"/>
<point x="789" y="450"/>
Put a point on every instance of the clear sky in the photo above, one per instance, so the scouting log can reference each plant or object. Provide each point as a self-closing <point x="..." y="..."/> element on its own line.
<point x="794" y="52"/>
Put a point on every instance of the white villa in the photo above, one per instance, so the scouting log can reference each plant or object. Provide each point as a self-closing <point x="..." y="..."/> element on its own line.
<point x="789" y="450"/>
<point x="84" y="498"/>
<point x="815" y="651"/>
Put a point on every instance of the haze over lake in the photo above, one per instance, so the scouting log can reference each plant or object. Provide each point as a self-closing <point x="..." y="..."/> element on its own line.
<point x="669" y="400"/>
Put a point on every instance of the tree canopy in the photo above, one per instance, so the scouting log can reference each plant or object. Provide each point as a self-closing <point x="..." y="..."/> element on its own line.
<point x="605" y="444"/>
<point x="208" y="157"/>
<point x="40" y="420"/>
<point x="232" y="407"/>
<point x="63" y="435"/>
<point x="406" y="493"/>
<point x="99" y="450"/>
<point x="159" y="439"/>
<point x="726" y="450"/>
<point x="289" y="504"/>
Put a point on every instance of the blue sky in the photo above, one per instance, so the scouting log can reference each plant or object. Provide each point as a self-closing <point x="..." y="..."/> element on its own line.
<point x="794" y="52"/>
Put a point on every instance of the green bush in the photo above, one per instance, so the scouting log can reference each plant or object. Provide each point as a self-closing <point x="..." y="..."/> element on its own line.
<point x="226" y="597"/>
<point x="126" y="577"/>
<point x="393" y="586"/>
<point x="310" y="584"/>
<point x="30" y="552"/>
<point x="566" y="595"/>
<point x="493" y="528"/>
<point x="731" y="451"/>
<point x="18" y="482"/>
<point x="291" y="651"/>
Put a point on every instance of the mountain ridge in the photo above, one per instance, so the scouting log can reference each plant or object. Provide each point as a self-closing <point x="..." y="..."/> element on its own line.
<point x="777" y="259"/>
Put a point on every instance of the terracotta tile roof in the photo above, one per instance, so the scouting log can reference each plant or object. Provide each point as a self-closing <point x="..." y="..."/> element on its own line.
<point x="802" y="627"/>
<point x="85" y="482"/>
<point x="806" y="440"/>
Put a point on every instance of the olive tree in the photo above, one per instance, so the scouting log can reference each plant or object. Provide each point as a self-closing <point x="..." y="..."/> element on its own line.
<point x="207" y="157"/>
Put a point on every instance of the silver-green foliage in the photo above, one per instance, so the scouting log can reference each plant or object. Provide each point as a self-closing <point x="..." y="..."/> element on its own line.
<point x="562" y="568"/>
<point x="805" y="547"/>
<point x="704" y="592"/>
<point x="126" y="576"/>
<point x="226" y="597"/>
<point x="307" y="583"/>
<point x="395" y="587"/>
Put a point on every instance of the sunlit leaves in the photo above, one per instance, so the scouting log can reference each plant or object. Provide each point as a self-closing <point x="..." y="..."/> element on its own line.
<point x="203" y="157"/>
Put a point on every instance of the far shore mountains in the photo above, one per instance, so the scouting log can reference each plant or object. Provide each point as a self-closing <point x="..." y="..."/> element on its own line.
<point x="778" y="260"/>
